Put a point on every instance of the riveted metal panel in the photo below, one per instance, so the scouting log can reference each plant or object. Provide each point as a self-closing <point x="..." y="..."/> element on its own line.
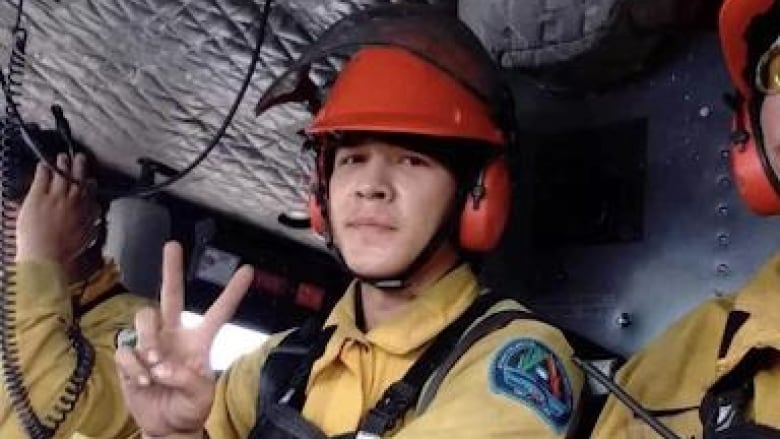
<point x="629" y="279"/>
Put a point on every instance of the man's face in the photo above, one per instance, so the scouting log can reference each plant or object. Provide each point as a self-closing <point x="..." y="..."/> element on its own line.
<point x="386" y="202"/>
<point x="770" y="126"/>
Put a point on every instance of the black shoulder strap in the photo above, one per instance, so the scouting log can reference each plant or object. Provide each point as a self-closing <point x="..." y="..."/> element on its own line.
<point x="734" y="321"/>
<point x="485" y="326"/>
<point x="285" y="422"/>
<point x="80" y="310"/>
<point x="287" y="368"/>
<point x="400" y="396"/>
<point x="723" y="411"/>
<point x="726" y="403"/>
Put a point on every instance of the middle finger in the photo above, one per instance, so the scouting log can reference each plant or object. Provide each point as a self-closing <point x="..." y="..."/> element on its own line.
<point x="59" y="185"/>
<point x="79" y="174"/>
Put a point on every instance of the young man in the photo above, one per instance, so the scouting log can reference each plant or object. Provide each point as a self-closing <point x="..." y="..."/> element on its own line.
<point x="65" y="305"/>
<point x="409" y="179"/>
<point x="716" y="372"/>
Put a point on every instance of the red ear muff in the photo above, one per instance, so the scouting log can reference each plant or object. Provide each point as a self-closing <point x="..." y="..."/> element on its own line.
<point x="751" y="169"/>
<point x="487" y="209"/>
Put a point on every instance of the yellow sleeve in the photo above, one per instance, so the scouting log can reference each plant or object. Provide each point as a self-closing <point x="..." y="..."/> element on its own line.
<point x="493" y="390"/>
<point x="235" y="401"/>
<point x="670" y="375"/>
<point x="47" y="358"/>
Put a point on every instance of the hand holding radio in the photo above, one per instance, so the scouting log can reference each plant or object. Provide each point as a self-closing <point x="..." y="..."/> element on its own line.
<point x="58" y="219"/>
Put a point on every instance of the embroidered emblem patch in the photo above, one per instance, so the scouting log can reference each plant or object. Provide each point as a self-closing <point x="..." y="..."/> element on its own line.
<point x="528" y="371"/>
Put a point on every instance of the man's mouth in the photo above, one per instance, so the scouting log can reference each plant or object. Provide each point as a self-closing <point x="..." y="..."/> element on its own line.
<point x="371" y="224"/>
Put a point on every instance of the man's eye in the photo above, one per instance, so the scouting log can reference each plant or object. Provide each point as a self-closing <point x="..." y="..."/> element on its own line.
<point x="412" y="160"/>
<point x="349" y="160"/>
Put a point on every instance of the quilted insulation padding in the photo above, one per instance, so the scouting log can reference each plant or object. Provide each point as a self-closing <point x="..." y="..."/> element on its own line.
<point x="156" y="78"/>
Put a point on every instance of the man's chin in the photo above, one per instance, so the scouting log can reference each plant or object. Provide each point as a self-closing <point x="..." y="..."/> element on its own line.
<point x="375" y="271"/>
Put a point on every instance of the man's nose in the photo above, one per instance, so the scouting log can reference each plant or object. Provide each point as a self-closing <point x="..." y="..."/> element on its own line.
<point x="374" y="183"/>
<point x="373" y="192"/>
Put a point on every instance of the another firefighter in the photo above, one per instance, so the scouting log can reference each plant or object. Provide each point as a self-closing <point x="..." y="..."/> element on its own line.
<point x="65" y="305"/>
<point x="411" y="181"/>
<point x="716" y="372"/>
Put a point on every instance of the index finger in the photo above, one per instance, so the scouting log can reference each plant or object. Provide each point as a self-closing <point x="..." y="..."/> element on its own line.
<point x="226" y="304"/>
<point x="172" y="290"/>
<point x="41" y="180"/>
<point x="79" y="171"/>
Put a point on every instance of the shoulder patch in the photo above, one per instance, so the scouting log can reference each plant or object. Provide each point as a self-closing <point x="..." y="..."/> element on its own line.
<point x="527" y="371"/>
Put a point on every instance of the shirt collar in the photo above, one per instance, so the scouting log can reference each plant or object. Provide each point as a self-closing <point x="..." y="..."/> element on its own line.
<point x="427" y="314"/>
<point x="760" y="298"/>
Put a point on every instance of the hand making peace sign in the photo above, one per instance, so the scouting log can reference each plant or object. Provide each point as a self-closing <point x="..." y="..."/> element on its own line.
<point x="166" y="380"/>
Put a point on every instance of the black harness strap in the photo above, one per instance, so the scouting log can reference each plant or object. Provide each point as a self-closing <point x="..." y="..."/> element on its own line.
<point x="723" y="411"/>
<point x="81" y="310"/>
<point x="283" y="378"/>
<point x="670" y="412"/>
<point x="289" y="423"/>
<point x="294" y="395"/>
<point x="734" y="321"/>
<point x="400" y="396"/>
<point x="282" y="393"/>
<point x="486" y="326"/>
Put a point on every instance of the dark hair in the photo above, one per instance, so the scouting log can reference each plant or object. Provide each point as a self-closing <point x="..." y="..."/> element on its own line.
<point x="463" y="158"/>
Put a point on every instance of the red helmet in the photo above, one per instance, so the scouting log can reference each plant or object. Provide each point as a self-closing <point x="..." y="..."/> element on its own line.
<point x="389" y="89"/>
<point x="392" y="90"/>
<point x="752" y="172"/>
<point x="735" y="18"/>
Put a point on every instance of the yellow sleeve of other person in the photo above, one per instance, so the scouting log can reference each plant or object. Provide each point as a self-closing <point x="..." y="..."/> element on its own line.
<point x="356" y="368"/>
<point x="672" y="375"/>
<point x="44" y="312"/>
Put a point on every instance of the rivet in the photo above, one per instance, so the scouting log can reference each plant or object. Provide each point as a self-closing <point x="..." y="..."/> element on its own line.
<point x="623" y="320"/>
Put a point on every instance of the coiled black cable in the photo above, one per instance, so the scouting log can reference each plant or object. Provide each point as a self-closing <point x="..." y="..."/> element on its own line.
<point x="85" y="362"/>
<point x="9" y="349"/>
